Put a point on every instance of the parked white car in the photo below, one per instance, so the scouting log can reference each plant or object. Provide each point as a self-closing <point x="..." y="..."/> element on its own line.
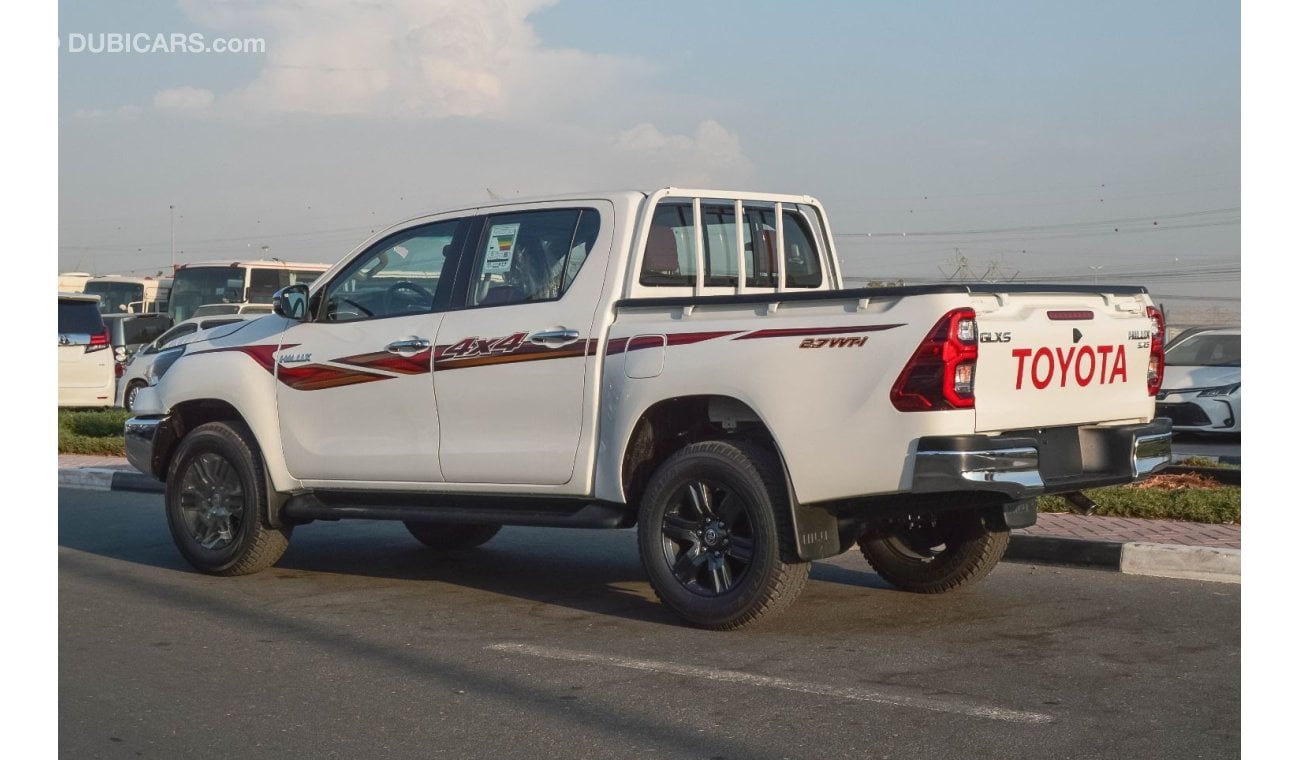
<point x="221" y="309"/>
<point x="1201" y="392"/>
<point x="85" y="361"/>
<point x="140" y="366"/>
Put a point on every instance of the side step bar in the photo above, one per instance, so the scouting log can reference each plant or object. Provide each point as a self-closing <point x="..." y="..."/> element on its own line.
<point x="457" y="508"/>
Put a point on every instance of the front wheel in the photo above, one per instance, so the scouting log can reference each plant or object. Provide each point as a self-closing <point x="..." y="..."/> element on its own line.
<point x="128" y="398"/>
<point x="715" y="535"/>
<point x="936" y="553"/>
<point x="216" y="500"/>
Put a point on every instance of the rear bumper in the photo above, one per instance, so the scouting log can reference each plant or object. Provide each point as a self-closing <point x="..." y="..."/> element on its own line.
<point x="1028" y="463"/>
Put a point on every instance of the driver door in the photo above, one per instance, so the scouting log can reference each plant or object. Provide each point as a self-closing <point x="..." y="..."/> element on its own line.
<point x="354" y="384"/>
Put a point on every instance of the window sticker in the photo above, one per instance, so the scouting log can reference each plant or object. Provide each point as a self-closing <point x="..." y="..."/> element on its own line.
<point x="501" y="247"/>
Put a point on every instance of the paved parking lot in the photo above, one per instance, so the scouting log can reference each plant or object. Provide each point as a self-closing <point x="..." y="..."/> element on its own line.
<point x="549" y="643"/>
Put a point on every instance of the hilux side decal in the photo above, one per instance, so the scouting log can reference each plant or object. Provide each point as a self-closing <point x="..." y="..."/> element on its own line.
<point x="474" y="351"/>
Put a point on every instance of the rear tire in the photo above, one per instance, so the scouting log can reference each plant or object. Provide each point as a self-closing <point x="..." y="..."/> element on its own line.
<point x="938" y="553"/>
<point x="448" y="537"/>
<point x="216" y="502"/>
<point x="715" y="535"/>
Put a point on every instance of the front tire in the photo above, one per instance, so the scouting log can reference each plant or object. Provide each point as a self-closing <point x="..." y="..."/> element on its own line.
<point x="449" y="537"/>
<point x="937" y="553"/>
<point x="715" y="535"/>
<point x="216" y="502"/>
<point x="128" y="397"/>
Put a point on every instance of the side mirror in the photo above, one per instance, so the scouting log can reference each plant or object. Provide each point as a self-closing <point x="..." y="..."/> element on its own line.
<point x="291" y="302"/>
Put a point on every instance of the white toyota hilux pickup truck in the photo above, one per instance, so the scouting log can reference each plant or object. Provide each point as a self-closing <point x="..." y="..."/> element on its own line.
<point x="683" y="361"/>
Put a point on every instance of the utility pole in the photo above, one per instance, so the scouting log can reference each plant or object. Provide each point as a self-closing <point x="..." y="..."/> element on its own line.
<point x="171" y="213"/>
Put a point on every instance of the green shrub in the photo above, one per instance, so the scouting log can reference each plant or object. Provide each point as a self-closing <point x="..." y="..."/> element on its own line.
<point x="91" y="431"/>
<point x="1203" y="505"/>
<point x="1199" y="461"/>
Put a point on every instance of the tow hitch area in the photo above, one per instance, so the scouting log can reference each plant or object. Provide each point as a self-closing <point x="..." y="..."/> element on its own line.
<point x="1080" y="504"/>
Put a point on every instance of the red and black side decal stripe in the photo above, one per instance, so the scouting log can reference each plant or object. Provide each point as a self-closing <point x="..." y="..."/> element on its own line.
<point x="263" y="354"/>
<point x="619" y="345"/>
<point x="381" y="365"/>
<point x="315" y="377"/>
<point x="525" y="353"/>
<point x="803" y="332"/>
<point x="415" y="364"/>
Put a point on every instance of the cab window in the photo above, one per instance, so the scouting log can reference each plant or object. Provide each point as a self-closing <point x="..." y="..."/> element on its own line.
<point x="531" y="256"/>
<point x="401" y="275"/>
<point x="669" y="259"/>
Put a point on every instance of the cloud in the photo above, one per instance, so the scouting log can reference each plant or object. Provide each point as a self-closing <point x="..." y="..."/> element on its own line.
<point x="184" y="99"/>
<point x="711" y="156"/>
<point x="123" y="113"/>
<point x="416" y="59"/>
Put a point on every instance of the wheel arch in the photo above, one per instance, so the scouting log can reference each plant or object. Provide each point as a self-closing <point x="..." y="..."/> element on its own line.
<point x="669" y="425"/>
<point x="188" y="415"/>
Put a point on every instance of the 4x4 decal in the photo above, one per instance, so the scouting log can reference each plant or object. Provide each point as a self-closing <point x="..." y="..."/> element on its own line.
<point x="476" y="346"/>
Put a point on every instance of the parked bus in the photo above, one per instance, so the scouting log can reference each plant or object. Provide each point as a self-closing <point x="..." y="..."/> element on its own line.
<point x="129" y="295"/>
<point x="73" y="282"/>
<point x="234" y="282"/>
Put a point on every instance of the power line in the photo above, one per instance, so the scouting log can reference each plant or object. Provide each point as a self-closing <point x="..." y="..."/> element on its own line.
<point x="1066" y="226"/>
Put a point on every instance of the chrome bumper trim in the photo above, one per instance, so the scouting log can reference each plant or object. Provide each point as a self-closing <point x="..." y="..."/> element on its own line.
<point x="991" y="469"/>
<point x="1152" y="453"/>
<point x="140" y="433"/>
<point x="1027" y="463"/>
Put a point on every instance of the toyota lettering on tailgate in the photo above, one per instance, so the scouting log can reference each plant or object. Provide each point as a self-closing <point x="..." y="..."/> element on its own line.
<point x="1080" y="365"/>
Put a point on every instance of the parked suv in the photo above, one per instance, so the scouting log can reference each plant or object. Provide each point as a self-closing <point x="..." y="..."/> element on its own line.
<point x="128" y="333"/>
<point x="85" y="361"/>
<point x="136" y="372"/>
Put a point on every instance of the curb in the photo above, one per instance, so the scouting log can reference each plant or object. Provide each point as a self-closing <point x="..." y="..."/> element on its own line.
<point x="1199" y="563"/>
<point x="100" y="479"/>
<point x="1202" y="563"/>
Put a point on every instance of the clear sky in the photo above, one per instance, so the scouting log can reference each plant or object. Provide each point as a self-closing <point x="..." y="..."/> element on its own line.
<point x="1015" y="139"/>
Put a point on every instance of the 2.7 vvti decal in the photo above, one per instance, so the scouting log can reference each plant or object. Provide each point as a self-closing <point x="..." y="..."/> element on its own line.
<point x="833" y="342"/>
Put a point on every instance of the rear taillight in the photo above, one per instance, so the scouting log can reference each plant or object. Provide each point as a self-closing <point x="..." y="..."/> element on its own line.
<point x="98" y="341"/>
<point x="1156" y="366"/>
<point x="941" y="373"/>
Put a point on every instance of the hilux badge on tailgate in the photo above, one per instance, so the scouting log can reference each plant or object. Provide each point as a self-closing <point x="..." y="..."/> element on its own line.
<point x="294" y="358"/>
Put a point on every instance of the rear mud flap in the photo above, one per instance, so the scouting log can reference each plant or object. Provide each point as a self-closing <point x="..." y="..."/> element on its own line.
<point x="816" y="532"/>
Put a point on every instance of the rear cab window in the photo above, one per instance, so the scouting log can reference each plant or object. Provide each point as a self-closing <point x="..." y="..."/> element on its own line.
<point x="670" y="258"/>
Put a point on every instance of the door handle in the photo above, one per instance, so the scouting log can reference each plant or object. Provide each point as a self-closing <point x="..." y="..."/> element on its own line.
<point x="407" y="345"/>
<point x="553" y="338"/>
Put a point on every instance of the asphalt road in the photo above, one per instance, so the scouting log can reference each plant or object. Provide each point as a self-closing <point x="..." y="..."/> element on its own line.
<point x="549" y="643"/>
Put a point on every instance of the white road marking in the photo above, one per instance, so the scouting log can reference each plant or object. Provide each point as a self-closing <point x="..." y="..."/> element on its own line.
<point x="933" y="704"/>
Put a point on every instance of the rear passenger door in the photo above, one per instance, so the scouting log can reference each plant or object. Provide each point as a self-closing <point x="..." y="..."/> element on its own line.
<point x="515" y="365"/>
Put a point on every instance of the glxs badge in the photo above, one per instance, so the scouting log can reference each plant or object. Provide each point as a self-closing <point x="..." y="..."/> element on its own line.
<point x="995" y="337"/>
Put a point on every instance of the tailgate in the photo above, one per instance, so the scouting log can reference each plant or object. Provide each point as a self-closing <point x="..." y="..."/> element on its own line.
<point x="1050" y="359"/>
